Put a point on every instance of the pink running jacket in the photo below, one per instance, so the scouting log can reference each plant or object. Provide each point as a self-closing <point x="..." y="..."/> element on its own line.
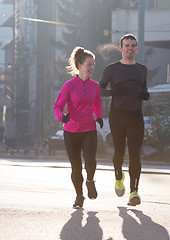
<point x="82" y="99"/>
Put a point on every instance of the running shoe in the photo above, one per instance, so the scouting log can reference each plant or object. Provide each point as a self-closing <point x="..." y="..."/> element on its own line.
<point x="92" y="193"/>
<point x="79" y="202"/>
<point x="134" y="199"/>
<point x="119" y="187"/>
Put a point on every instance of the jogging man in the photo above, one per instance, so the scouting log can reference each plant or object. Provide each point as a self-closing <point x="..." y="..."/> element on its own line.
<point x="128" y="87"/>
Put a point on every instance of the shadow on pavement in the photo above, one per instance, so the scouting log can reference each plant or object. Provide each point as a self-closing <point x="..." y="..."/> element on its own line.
<point x="74" y="229"/>
<point x="140" y="226"/>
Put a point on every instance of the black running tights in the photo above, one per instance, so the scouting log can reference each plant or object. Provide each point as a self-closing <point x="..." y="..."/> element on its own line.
<point x="74" y="143"/>
<point x="131" y="128"/>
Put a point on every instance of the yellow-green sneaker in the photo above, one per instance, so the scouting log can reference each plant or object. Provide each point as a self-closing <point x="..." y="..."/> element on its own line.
<point x="119" y="187"/>
<point x="134" y="199"/>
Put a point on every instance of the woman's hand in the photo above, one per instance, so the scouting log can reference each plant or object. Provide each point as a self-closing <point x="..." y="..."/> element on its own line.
<point x="66" y="118"/>
<point x="100" y="121"/>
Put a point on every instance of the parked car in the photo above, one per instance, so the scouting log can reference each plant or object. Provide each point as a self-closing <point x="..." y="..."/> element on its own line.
<point x="52" y="143"/>
<point x="105" y="132"/>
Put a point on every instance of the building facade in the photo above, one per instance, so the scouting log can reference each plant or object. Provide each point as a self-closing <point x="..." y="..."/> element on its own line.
<point x="32" y="67"/>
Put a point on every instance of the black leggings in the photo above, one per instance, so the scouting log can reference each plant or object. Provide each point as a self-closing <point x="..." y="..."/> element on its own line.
<point x="130" y="127"/>
<point x="74" y="143"/>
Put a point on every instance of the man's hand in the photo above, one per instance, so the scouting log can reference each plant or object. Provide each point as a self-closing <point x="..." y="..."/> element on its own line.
<point x="66" y="118"/>
<point x="100" y="121"/>
<point x="145" y="95"/>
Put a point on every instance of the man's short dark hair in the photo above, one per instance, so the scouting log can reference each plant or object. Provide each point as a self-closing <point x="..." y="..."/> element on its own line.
<point x="128" y="36"/>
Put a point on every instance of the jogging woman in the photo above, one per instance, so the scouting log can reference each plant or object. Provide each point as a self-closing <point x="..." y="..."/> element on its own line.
<point x="81" y="94"/>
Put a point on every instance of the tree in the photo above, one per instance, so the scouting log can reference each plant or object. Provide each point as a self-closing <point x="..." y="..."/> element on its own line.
<point x="105" y="54"/>
<point x="88" y="25"/>
<point x="158" y="135"/>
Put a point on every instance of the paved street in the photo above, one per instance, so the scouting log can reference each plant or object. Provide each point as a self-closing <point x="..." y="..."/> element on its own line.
<point x="37" y="196"/>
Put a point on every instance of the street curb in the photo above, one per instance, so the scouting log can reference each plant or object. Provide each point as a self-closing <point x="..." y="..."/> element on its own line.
<point x="63" y="163"/>
<point x="65" y="158"/>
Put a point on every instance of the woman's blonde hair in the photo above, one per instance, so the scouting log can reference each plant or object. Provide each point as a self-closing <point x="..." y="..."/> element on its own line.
<point x="78" y="55"/>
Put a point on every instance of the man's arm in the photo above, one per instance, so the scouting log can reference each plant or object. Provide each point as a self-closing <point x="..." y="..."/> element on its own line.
<point x="104" y="92"/>
<point x="145" y="95"/>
